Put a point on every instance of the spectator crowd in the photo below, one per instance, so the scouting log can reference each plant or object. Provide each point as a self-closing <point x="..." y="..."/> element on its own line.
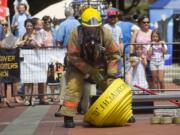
<point x="141" y="50"/>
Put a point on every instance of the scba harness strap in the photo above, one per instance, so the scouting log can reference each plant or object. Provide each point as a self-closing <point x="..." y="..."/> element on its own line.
<point x="92" y="46"/>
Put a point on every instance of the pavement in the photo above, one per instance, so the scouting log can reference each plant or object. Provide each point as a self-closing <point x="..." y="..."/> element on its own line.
<point x="40" y="120"/>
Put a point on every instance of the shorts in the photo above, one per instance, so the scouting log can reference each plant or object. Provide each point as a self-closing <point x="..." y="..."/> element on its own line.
<point x="156" y="65"/>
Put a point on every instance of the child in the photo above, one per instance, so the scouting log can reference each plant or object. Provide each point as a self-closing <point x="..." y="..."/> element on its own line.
<point x="40" y="35"/>
<point x="156" y="53"/>
<point x="138" y="62"/>
<point x="128" y="70"/>
<point x="17" y="2"/>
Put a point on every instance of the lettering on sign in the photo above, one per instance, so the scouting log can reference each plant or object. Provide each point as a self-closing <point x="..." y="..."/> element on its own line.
<point x="9" y="65"/>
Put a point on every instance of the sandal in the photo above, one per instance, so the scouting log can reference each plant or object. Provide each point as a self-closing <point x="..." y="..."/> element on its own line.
<point x="8" y="103"/>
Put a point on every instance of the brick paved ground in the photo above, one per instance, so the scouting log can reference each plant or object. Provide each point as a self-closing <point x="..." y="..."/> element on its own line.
<point x="39" y="120"/>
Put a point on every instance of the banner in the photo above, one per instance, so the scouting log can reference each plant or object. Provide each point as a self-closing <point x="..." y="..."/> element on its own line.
<point x="9" y="65"/>
<point x="3" y="11"/>
<point x="34" y="67"/>
<point x="3" y="3"/>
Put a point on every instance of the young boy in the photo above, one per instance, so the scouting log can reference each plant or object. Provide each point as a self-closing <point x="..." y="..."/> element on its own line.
<point x="17" y="2"/>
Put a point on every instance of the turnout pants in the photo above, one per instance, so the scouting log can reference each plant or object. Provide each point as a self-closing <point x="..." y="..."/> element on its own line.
<point x="74" y="88"/>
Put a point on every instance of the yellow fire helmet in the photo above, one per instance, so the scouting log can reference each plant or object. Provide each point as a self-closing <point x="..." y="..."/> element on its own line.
<point x="91" y="18"/>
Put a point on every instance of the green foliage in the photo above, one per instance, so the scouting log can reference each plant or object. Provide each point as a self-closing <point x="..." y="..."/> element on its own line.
<point x="141" y="8"/>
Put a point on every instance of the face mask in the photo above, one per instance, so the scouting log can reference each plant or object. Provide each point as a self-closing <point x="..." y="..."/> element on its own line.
<point x="92" y="36"/>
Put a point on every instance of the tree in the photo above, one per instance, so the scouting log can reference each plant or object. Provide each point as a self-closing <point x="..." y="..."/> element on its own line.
<point x="38" y="5"/>
<point x="121" y="5"/>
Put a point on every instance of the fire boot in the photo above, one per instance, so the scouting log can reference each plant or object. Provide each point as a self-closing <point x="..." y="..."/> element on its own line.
<point x="68" y="122"/>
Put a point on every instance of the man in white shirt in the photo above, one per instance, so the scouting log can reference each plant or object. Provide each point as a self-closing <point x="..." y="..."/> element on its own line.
<point x="116" y="34"/>
<point x="114" y="29"/>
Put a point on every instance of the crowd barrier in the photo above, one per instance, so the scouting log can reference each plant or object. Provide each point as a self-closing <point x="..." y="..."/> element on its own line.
<point x="144" y="98"/>
<point x="32" y="66"/>
<point x="42" y="66"/>
<point x="171" y="68"/>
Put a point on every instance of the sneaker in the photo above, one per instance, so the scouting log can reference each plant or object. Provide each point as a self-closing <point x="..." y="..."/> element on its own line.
<point x="57" y="114"/>
<point x="26" y="103"/>
<point x="42" y="102"/>
<point x="68" y="122"/>
<point x="8" y="103"/>
<point x="33" y="101"/>
<point x="132" y="120"/>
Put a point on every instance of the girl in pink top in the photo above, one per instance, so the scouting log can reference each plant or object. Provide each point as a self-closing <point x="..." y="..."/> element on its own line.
<point x="156" y="52"/>
<point x="43" y="36"/>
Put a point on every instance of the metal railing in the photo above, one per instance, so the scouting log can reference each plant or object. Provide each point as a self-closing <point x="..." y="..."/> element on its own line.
<point x="171" y="69"/>
<point x="171" y="80"/>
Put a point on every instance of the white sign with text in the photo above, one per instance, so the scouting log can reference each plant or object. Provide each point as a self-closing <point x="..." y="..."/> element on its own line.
<point x="34" y="64"/>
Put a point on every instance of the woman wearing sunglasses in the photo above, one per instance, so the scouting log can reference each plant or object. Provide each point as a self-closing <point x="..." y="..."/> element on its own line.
<point x="142" y="36"/>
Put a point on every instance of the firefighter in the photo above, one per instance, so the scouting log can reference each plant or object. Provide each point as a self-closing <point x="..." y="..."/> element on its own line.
<point x="91" y="53"/>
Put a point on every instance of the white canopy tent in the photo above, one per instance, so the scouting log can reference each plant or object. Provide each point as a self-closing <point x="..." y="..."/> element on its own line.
<point x="55" y="10"/>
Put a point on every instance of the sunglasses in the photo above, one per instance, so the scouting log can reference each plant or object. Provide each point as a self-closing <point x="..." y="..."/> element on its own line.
<point x="4" y="24"/>
<point x="113" y="16"/>
<point x="145" y="22"/>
